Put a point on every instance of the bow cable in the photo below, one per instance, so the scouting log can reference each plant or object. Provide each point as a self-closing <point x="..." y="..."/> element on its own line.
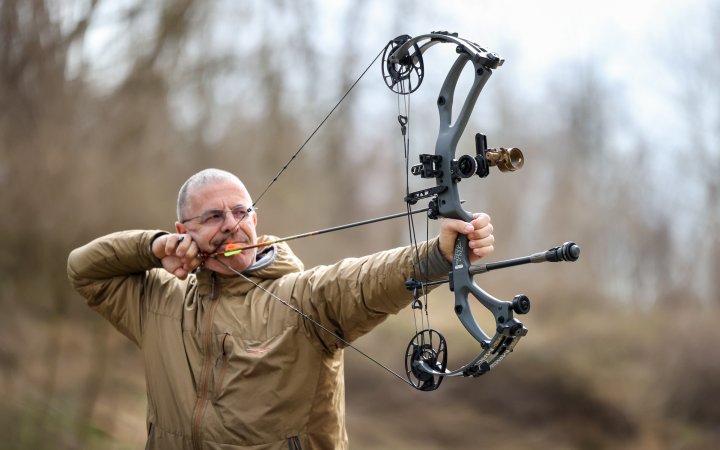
<point x="316" y="323"/>
<point x="419" y="289"/>
<point x="424" y="338"/>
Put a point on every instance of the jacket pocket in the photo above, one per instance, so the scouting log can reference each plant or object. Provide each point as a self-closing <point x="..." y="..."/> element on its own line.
<point x="221" y="364"/>
<point x="151" y="430"/>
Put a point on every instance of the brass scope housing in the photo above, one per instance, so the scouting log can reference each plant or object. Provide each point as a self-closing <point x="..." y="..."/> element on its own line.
<point x="505" y="159"/>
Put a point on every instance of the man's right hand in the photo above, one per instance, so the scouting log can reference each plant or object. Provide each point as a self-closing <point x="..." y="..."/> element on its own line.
<point x="177" y="253"/>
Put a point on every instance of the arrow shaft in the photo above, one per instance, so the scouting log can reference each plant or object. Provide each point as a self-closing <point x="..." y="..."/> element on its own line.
<point x="318" y="232"/>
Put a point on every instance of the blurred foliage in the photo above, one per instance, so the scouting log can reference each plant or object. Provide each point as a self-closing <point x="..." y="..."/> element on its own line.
<point x="97" y="133"/>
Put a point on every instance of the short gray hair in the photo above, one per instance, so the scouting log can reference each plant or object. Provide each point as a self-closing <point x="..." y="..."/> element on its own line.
<point x="202" y="178"/>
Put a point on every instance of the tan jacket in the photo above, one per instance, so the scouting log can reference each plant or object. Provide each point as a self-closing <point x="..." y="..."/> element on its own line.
<point x="229" y="367"/>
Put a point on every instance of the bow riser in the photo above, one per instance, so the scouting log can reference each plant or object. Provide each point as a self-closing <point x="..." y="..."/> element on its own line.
<point x="450" y="134"/>
<point x="462" y="285"/>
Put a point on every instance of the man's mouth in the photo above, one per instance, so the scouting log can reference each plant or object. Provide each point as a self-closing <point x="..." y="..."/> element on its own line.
<point x="229" y="247"/>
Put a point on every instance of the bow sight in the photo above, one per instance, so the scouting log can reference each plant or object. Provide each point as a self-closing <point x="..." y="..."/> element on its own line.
<point x="505" y="159"/>
<point x="403" y="71"/>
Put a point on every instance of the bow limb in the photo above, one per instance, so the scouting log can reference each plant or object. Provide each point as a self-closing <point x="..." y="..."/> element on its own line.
<point x="492" y="60"/>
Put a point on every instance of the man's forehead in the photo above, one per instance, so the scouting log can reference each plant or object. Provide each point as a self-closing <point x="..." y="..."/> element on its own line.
<point x="219" y="193"/>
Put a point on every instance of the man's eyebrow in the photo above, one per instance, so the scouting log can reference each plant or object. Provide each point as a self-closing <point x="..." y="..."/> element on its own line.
<point x="237" y="205"/>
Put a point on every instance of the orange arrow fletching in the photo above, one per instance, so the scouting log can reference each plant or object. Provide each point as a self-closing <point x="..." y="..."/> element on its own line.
<point x="232" y="249"/>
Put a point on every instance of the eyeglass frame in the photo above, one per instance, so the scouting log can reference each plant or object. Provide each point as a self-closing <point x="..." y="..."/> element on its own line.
<point x="246" y="211"/>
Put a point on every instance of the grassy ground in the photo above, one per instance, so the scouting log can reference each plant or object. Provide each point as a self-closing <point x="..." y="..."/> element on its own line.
<point x="589" y="375"/>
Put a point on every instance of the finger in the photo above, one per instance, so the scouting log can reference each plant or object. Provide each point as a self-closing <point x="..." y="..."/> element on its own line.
<point x="192" y="251"/>
<point x="457" y="226"/>
<point x="170" y="264"/>
<point x="480" y="240"/>
<point x="484" y="242"/>
<point x="190" y="264"/>
<point x="171" y="243"/>
<point x="481" y="233"/>
<point x="184" y="242"/>
<point x="480" y="220"/>
<point x="483" y="251"/>
<point x="187" y="250"/>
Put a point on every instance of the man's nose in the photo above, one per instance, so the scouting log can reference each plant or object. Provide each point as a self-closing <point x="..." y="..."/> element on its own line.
<point x="229" y="221"/>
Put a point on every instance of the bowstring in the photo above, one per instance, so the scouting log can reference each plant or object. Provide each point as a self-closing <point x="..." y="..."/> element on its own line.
<point x="262" y="194"/>
<point x="322" y="122"/>
<point x="424" y="321"/>
<point x="404" y="118"/>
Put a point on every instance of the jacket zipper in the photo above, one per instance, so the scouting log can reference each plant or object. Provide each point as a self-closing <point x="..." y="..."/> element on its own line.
<point x="206" y="343"/>
<point x="294" y="443"/>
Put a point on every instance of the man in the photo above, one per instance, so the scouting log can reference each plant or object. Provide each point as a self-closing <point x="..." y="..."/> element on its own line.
<point x="228" y="365"/>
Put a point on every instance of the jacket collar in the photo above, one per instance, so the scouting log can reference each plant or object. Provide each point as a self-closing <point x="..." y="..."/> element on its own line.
<point x="271" y="263"/>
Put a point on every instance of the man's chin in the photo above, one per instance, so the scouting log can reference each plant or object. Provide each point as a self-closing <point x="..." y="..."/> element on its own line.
<point x="228" y="265"/>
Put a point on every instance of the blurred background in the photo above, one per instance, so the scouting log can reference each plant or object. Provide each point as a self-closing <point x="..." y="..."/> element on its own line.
<point x="106" y="107"/>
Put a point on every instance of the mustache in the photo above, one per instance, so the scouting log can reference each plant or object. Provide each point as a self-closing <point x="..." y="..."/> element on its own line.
<point x="226" y="237"/>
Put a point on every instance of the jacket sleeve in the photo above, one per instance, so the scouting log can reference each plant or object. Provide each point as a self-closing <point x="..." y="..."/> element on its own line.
<point x="111" y="274"/>
<point x="355" y="295"/>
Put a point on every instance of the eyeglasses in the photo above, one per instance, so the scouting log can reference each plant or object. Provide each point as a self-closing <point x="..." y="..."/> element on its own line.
<point x="217" y="216"/>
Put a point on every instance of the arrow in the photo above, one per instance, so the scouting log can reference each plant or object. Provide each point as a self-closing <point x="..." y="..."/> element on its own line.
<point x="233" y="248"/>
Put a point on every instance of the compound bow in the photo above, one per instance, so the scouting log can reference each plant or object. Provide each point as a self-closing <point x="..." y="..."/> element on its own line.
<point x="426" y="355"/>
<point x="403" y="72"/>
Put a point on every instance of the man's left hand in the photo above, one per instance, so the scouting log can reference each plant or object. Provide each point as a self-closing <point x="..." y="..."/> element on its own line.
<point x="479" y="233"/>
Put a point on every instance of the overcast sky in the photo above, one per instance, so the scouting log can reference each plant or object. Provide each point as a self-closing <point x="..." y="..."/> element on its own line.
<point x="630" y="42"/>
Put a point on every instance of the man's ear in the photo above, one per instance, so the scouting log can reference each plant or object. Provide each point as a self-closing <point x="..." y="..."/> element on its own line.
<point x="180" y="228"/>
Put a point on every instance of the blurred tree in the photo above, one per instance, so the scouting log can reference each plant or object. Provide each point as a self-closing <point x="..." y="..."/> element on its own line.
<point x="106" y="108"/>
<point x="697" y="53"/>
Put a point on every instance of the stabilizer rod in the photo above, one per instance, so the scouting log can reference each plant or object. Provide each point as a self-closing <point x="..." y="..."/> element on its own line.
<point x="569" y="251"/>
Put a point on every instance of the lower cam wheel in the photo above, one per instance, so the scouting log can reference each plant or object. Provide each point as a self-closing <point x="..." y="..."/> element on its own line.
<point x="426" y="360"/>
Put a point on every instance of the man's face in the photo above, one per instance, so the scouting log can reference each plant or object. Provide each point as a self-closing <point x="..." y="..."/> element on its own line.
<point x="211" y="201"/>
